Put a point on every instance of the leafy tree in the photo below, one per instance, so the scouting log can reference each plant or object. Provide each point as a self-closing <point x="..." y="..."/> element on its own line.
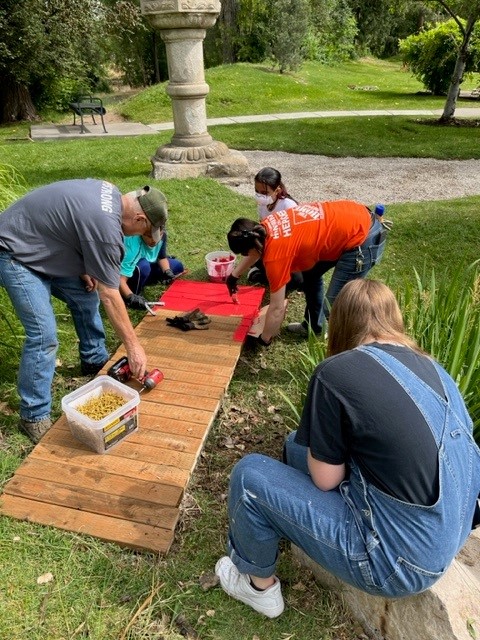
<point x="466" y="13"/>
<point x="253" y="30"/>
<point x="431" y="55"/>
<point x="289" y="21"/>
<point x="332" y="31"/>
<point x="135" y="47"/>
<point x="46" y="43"/>
<point x="441" y="56"/>
<point x="381" y="23"/>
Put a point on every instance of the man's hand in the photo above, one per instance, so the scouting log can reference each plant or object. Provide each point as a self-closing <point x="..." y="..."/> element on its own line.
<point x="231" y="283"/>
<point x="89" y="282"/>
<point x="133" y="301"/>
<point x="168" y="276"/>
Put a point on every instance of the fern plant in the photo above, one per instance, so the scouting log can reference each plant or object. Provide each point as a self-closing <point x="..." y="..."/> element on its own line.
<point x="443" y="316"/>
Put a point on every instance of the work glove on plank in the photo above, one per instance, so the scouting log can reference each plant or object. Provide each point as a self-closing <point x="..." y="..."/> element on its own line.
<point x="193" y="320"/>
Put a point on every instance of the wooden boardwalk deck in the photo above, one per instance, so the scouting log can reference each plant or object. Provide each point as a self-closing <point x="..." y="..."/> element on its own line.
<point x="131" y="495"/>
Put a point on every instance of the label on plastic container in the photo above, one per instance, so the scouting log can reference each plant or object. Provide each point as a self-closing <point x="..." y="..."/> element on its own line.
<point x="110" y="425"/>
<point x="123" y="430"/>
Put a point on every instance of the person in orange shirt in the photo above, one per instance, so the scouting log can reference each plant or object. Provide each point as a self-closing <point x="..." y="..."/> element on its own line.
<point x="313" y="238"/>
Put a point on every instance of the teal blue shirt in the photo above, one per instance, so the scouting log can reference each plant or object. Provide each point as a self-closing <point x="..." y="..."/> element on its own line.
<point x="135" y="249"/>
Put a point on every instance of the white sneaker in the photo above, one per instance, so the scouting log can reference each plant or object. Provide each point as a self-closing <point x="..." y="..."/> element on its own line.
<point x="237" y="585"/>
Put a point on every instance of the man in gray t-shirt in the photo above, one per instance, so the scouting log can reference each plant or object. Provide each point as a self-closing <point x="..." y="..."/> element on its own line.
<point x="66" y="240"/>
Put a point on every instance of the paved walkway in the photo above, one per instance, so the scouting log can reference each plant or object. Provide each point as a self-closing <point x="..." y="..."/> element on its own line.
<point x="54" y="132"/>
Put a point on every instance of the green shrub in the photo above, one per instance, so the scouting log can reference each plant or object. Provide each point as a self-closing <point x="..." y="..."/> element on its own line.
<point x="431" y="55"/>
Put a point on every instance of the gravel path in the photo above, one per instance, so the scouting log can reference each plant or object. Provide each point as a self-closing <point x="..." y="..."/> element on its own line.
<point x="368" y="180"/>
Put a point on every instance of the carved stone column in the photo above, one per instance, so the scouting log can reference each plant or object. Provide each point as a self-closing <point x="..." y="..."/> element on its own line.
<point x="192" y="151"/>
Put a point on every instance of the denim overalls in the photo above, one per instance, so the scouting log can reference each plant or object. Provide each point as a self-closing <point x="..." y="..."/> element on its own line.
<point x="360" y="534"/>
<point x="402" y="539"/>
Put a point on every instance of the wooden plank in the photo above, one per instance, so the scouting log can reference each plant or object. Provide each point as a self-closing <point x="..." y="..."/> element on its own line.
<point x="140" y="449"/>
<point x="204" y="354"/>
<point x="180" y="413"/>
<point x="157" y="436"/>
<point x="220" y="373"/>
<point x="122" y="532"/>
<point x="196" y="389"/>
<point x="185" y="400"/>
<point x="77" y="476"/>
<point x="165" y="426"/>
<point x="107" y="504"/>
<point x="113" y="463"/>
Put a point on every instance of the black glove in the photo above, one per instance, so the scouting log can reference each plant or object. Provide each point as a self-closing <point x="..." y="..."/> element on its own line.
<point x="257" y="341"/>
<point x="136" y="302"/>
<point x="231" y="283"/>
<point x="168" y="276"/>
<point x="193" y="320"/>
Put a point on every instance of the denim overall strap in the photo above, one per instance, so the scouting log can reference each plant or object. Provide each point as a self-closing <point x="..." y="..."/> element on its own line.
<point x="410" y="546"/>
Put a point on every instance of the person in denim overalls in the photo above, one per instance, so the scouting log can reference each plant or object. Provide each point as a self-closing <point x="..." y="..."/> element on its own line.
<point x="384" y="496"/>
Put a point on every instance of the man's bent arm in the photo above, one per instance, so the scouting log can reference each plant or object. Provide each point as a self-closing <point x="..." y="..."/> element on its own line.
<point x="118" y="316"/>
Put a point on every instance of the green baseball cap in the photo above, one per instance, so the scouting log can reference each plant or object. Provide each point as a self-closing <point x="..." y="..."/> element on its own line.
<point x="154" y="205"/>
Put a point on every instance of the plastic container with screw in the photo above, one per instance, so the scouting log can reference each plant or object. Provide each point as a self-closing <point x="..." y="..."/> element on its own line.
<point x="102" y="435"/>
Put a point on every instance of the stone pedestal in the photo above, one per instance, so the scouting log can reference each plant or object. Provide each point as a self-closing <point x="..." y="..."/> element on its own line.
<point x="450" y="610"/>
<point x="192" y="151"/>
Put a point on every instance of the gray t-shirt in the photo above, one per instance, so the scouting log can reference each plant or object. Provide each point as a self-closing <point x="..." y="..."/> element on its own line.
<point x="67" y="229"/>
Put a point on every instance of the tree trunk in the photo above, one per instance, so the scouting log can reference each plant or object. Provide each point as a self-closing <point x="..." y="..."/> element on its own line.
<point x="15" y="101"/>
<point x="457" y="77"/>
<point x="228" y="25"/>
<point x="155" y="58"/>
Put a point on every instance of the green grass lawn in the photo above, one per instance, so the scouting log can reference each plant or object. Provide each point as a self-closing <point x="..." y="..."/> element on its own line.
<point x="103" y="592"/>
<point x="244" y="89"/>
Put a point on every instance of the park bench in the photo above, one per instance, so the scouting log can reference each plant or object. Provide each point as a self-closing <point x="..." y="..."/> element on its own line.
<point x="88" y="105"/>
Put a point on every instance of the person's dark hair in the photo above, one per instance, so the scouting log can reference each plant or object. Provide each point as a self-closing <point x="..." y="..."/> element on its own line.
<point x="246" y="234"/>
<point x="273" y="178"/>
<point x="366" y="310"/>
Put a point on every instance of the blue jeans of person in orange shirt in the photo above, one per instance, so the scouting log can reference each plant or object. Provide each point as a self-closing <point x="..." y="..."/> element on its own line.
<point x="149" y="273"/>
<point x="30" y="293"/>
<point x="353" y="264"/>
<point x="362" y="535"/>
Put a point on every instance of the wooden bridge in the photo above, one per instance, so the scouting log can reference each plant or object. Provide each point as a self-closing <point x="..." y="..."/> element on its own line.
<point x="131" y="495"/>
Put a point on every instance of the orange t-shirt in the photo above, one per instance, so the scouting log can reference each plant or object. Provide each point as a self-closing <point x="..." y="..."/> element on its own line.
<point x="300" y="237"/>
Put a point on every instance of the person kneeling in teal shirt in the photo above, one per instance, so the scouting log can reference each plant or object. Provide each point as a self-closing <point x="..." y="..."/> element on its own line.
<point x="145" y="263"/>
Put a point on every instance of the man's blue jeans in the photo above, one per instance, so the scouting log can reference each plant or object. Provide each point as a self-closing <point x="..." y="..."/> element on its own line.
<point x="353" y="264"/>
<point x="30" y="293"/>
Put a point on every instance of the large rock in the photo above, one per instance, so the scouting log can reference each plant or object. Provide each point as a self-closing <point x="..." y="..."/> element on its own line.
<point x="450" y="610"/>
